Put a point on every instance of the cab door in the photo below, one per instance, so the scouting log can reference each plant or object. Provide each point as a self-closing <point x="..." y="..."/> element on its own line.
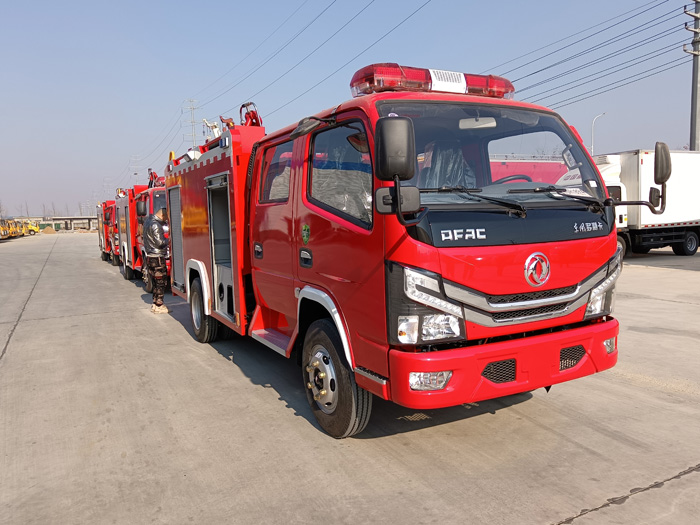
<point x="272" y="231"/>
<point x="339" y="247"/>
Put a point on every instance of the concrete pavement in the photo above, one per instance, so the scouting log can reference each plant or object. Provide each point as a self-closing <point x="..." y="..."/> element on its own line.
<point x="110" y="414"/>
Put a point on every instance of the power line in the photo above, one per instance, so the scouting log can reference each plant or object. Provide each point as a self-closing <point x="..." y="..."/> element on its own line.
<point x="605" y="43"/>
<point x="580" y="40"/>
<point x="611" y="87"/>
<point x="316" y="84"/>
<point x="306" y="57"/>
<point x="598" y="60"/>
<point x="257" y="68"/>
<point x="254" y="50"/>
<point x="577" y="83"/>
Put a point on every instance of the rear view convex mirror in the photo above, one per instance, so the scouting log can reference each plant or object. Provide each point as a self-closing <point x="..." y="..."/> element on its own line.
<point x="662" y="163"/>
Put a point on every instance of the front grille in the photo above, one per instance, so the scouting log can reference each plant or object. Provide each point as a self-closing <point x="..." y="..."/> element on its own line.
<point x="500" y="371"/>
<point x="532" y="312"/>
<point x="570" y="357"/>
<point x="531" y="296"/>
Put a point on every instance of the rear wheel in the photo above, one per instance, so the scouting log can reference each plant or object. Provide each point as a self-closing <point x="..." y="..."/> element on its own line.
<point x="115" y="259"/>
<point x="689" y="246"/>
<point x="205" y="327"/>
<point x="340" y="406"/>
<point x="104" y="256"/>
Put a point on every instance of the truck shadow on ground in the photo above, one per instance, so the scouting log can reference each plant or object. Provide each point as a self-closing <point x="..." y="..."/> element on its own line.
<point x="264" y="368"/>
<point x="664" y="259"/>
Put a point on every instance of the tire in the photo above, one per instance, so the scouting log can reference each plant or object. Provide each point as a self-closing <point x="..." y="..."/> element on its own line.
<point x="128" y="273"/>
<point x="146" y="276"/>
<point x="689" y="246"/>
<point x="115" y="260"/>
<point x="340" y="406"/>
<point x="205" y="327"/>
<point x="32" y="232"/>
<point x="104" y="256"/>
<point x="622" y="244"/>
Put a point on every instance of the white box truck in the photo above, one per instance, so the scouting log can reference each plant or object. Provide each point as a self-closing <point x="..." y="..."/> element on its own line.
<point x="629" y="176"/>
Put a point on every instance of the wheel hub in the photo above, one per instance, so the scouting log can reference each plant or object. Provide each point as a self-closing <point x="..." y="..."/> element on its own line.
<point x="321" y="379"/>
<point x="196" y="313"/>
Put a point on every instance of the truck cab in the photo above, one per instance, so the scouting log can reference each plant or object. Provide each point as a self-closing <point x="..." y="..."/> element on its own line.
<point x="4" y="230"/>
<point x="610" y="168"/>
<point x="105" y="230"/>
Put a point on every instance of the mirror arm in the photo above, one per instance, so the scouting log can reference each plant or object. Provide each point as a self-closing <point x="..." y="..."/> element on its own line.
<point x="399" y="213"/>
<point x="647" y="203"/>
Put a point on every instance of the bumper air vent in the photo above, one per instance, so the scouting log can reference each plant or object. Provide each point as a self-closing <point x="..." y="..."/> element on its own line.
<point x="500" y="371"/>
<point x="570" y="357"/>
<point x="532" y="296"/>
<point x="533" y="312"/>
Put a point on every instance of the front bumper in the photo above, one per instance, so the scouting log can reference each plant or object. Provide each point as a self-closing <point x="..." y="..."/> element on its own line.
<point x="539" y="361"/>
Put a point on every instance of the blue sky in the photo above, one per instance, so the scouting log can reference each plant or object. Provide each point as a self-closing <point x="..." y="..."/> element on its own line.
<point x="93" y="92"/>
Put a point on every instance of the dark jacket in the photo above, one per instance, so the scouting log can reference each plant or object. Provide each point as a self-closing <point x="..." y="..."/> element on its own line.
<point x="154" y="241"/>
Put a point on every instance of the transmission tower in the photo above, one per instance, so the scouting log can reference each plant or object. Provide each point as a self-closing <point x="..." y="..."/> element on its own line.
<point x="192" y="121"/>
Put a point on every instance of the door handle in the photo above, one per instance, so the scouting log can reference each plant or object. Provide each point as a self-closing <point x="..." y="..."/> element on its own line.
<point x="306" y="258"/>
<point x="257" y="250"/>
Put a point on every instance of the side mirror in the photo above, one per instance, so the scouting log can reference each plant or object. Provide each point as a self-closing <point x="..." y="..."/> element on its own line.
<point x="655" y="196"/>
<point x="662" y="163"/>
<point x="395" y="148"/>
<point x="141" y="208"/>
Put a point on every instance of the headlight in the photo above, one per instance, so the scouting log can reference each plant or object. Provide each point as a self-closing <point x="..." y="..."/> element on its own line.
<point x="425" y="289"/>
<point x="418" y="311"/>
<point x="602" y="298"/>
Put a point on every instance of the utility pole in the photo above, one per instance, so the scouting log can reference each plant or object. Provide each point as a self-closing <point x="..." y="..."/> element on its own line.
<point x="192" y="122"/>
<point x="695" y="88"/>
<point x="593" y="131"/>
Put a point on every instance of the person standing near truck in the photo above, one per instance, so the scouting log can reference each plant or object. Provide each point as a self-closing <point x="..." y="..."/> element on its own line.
<point x="156" y="246"/>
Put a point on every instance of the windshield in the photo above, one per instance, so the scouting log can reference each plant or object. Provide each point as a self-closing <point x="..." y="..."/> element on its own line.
<point x="517" y="155"/>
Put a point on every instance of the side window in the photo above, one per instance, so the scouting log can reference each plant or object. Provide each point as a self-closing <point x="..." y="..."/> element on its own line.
<point x="274" y="181"/>
<point x="615" y="192"/>
<point x="340" y="178"/>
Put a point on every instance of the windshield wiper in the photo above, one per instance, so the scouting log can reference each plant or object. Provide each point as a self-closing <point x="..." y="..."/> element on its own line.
<point x="593" y="202"/>
<point x="518" y="209"/>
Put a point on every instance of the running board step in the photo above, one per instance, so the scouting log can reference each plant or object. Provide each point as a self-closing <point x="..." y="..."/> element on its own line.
<point x="272" y="339"/>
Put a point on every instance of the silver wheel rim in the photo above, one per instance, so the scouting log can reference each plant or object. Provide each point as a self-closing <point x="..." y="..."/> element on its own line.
<point x="691" y="243"/>
<point x="196" y="312"/>
<point x="321" y="379"/>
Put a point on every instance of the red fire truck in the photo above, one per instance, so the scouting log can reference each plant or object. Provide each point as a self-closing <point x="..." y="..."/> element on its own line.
<point x="148" y="202"/>
<point x="105" y="218"/>
<point x="127" y="227"/>
<point x="407" y="244"/>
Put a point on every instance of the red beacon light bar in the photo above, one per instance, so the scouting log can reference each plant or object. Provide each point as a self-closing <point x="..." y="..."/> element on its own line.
<point x="393" y="77"/>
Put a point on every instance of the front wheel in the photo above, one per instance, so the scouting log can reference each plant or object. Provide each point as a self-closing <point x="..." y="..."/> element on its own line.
<point x="128" y="273"/>
<point x="689" y="246"/>
<point x="622" y="246"/>
<point x="340" y="406"/>
<point x="146" y="276"/>
<point x="205" y="327"/>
